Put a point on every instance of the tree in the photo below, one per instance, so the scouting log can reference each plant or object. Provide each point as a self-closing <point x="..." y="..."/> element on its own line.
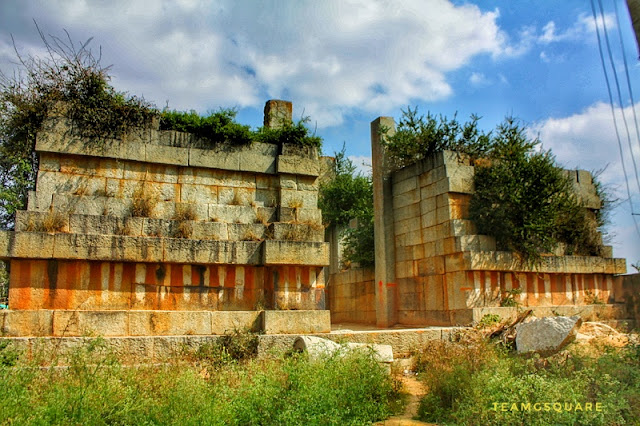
<point x="350" y="196"/>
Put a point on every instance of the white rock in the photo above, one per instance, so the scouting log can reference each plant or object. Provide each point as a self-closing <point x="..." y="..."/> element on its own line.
<point x="546" y="335"/>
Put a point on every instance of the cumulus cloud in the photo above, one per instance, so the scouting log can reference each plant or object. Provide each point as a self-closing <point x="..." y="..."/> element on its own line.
<point x="328" y="57"/>
<point x="587" y="140"/>
<point x="583" y="27"/>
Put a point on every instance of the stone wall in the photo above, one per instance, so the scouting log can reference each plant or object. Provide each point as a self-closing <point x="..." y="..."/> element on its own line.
<point x="437" y="269"/>
<point x="159" y="220"/>
<point x="351" y="295"/>
<point x="628" y="293"/>
<point x="443" y="266"/>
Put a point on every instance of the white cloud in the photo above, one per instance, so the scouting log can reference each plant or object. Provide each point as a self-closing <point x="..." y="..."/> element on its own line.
<point x="478" y="79"/>
<point x="325" y="56"/>
<point x="583" y="27"/>
<point x="362" y="163"/>
<point x="587" y="140"/>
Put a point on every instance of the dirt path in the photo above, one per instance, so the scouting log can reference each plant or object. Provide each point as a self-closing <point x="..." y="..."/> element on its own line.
<point x="416" y="391"/>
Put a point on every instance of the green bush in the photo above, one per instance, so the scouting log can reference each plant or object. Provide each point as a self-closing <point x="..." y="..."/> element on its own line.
<point x="69" y="74"/>
<point x="522" y="197"/>
<point x="290" y="133"/>
<point x="218" y="127"/>
<point x="350" y="196"/>
<point x="417" y="137"/>
<point x="478" y="385"/>
<point x="96" y="389"/>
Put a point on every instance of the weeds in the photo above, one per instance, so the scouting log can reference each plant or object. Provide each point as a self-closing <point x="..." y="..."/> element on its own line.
<point x="53" y="222"/>
<point x="96" y="389"/>
<point x="185" y="212"/>
<point x="184" y="229"/>
<point x="509" y="298"/>
<point x="478" y="383"/>
<point x="144" y="201"/>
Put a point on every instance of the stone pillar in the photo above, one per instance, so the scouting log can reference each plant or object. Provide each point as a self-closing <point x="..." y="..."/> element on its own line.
<point x="277" y="113"/>
<point x="386" y="290"/>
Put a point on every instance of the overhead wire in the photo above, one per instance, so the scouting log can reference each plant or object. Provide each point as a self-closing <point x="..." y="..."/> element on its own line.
<point x="613" y="114"/>
<point x="617" y="83"/>
<point x="626" y="73"/>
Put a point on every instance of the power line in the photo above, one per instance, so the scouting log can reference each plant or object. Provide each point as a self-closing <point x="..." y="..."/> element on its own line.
<point x="626" y="72"/>
<point x="613" y="114"/>
<point x="621" y="102"/>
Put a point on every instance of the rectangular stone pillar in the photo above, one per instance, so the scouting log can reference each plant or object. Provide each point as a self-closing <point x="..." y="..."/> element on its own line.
<point x="386" y="290"/>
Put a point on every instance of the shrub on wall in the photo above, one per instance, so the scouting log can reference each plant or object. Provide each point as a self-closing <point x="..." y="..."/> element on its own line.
<point x="70" y="74"/>
<point x="217" y="127"/>
<point x="522" y="197"/>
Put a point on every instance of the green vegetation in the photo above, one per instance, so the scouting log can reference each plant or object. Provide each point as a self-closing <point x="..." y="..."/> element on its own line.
<point x="478" y="383"/>
<point x="522" y="197"/>
<point x="97" y="389"/>
<point x="290" y="133"/>
<point x="350" y="196"/>
<point x="68" y="75"/>
<point x="70" y="81"/>
<point x="218" y="127"/>
<point x="419" y="137"/>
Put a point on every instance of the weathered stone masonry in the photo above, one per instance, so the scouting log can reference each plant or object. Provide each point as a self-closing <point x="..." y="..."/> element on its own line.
<point x="229" y="228"/>
<point x="436" y="270"/>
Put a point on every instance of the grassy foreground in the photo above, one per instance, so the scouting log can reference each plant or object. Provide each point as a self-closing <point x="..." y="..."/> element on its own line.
<point x="207" y="388"/>
<point x="475" y="382"/>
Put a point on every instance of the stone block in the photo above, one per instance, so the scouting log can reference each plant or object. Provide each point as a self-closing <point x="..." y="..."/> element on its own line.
<point x="246" y="231"/>
<point x="303" y="151"/>
<point x="227" y="322"/>
<point x="24" y="244"/>
<point x="172" y="138"/>
<point x="210" y="231"/>
<point x="546" y="335"/>
<point x="297" y="232"/>
<point x="307" y="183"/>
<point x="303" y="215"/>
<point x="108" y="247"/>
<point x="166" y="155"/>
<point x="27" y="323"/>
<point x="205" y="194"/>
<point x="38" y="201"/>
<point x="5" y="244"/>
<point x="432" y="266"/>
<point x="299" y="199"/>
<point x="259" y="157"/>
<point x="476" y="243"/>
<point x="295" y="253"/>
<point x="208" y="251"/>
<point x="220" y="157"/>
<point x="90" y="323"/>
<point x="404" y="186"/>
<point x="232" y="214"/>
<point x="412" y="211"/>
<point x="277" y="113"/>
<point x="432" y="176"/>
<point x="49" y="162"/>
<point x="170" y="323"/>
<point x="297" y="165"/>
<point x="296" y="322"/>
<point x="461" y="178"/>
<point x="79" y="204"/>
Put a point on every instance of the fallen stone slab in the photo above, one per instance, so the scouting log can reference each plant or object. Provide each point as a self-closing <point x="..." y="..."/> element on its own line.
<point x="546" y="335"/>
<point x="318" y="348"/>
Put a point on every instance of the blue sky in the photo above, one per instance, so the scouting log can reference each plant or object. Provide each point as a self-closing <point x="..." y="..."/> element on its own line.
<point x="344" y="63"/>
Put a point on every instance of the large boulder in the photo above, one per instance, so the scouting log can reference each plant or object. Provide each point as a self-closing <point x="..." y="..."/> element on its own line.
<point x="546" y="335"/>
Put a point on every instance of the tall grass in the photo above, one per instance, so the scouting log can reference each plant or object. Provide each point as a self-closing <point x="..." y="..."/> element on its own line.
<point x="478" y="384"/>
<point x="96" y="389"/>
